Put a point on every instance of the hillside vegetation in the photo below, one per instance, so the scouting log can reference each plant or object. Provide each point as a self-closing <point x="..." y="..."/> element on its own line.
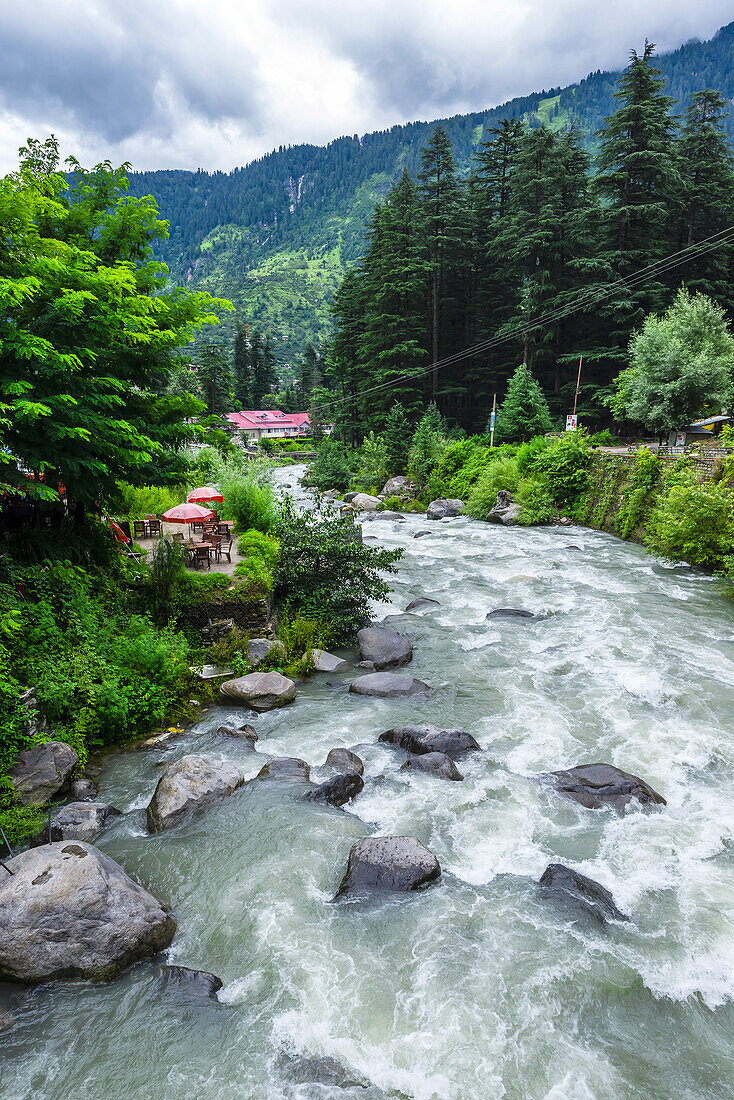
<point x="273" y="235"/>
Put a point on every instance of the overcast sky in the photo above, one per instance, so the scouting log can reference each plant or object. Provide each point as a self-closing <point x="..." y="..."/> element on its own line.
<point x="215" y="83"/>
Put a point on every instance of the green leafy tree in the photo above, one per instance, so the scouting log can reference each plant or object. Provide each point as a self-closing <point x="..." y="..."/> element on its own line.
<point x="396" y="437"/>
<point x="325" y="573"/>
<point x="524" y="411"/>
<point x="331" y="469"/>
<point x="693" y="522"/>
<point x="427" y="444"/>
<point x="88" y="332"/>
<point x="680" y="366"/>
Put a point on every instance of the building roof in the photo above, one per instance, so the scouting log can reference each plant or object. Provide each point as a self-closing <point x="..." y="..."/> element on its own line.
<point x="268" y="418"/>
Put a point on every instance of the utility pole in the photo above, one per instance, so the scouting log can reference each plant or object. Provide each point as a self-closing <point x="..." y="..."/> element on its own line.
<point x="491" y="422"/>
<point x="578" y="383"/>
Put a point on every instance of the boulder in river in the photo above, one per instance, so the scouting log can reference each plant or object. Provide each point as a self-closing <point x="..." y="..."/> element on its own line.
<point x="188" y="785"/>
<point x="443" y="508"/>
<point x="599" y="785"/>
<point x="384" y="647"/>
<point x="434" y="763"/>
<point x="422" y="603"/>
<point x="427" y="738"/>
<point x="337" y="791"/>
<point x="42" y="771"/>
<point x="285" y="767"/>
<point x="399" y="863"/>
<point x="320" y="1072"/>
<point x="81" y="820"/>
<point x="572" y="888"/>
<point x="388" y="685"/>
<point x="510" y="613"/>
<point x="399" y="486"/>
<point x="331" y="494"/>
<point x="387" y="514"/>
<point x="68" y="911"/>
<point x="345" y="761"/>
<point x="421" y="534"/>
<point x="364" y="502"/>
<point x="259" y="690"/>
<point x="199" y="984"/>
<point x="326" y="662"/>
<point x="82" y="790"/>
<point x="245" y="732"/>
<point x="505" y="510"/>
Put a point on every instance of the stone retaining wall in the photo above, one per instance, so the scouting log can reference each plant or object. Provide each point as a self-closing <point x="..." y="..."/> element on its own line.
<point x="251" y="616"/>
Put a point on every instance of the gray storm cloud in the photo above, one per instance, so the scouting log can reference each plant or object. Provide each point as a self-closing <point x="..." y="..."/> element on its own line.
<point x="185" y="83"/>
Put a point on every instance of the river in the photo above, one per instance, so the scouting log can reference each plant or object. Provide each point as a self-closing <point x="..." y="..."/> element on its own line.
<point x="478" y="987"/>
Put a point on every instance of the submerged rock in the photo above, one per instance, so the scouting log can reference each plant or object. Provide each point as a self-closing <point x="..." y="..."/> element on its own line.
<point x="387" y="685"/>
<point x="68" y="911"/>
<point x="570" y="887"/>
<point x="81" y="820"/>
<point x="442" y="508"/>
<point x="383" y="647"/>
<point x="259" y="690"/>
<point x="285" y="767"/>
<point x="337" y="791"/>
<point x="346" y="761"/>
<point x="434" y="763"/>
<point x="195" y="983"/>
<point x="245" y="732"/>
<point x="420" y="534"/>
<point x="399" y="863"/>
<point x="422" y="602"/>
<point x="599" y="785"/>
<point x="188" y="785"/>
<point x="510" y="613"/>
<point x="427" y="738"/>
<point x="42" y="771"/>
<point x="387" y="514"/>
<point x="321" y="1071"/>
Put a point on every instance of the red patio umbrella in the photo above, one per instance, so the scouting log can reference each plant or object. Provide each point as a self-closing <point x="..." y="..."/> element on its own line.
<point x="117" y="531"/>
<point x="205" y="493"/>
<point x="186" y="513"/>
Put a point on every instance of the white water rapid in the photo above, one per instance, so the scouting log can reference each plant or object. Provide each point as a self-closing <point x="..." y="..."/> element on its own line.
<point x="478" y="987"/>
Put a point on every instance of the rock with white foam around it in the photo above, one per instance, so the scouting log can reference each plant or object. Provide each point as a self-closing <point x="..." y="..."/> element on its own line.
<point x="393" y="863"/>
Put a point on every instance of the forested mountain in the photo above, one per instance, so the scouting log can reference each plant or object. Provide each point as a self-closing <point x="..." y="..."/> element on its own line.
<point x="277" y="235"/>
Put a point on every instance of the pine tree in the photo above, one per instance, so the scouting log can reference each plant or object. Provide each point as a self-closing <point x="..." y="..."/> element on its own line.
<point x="439" y="194"/>
<point x="707" y="200"/>
<point x="396" y="435"/>
<point x="524" y="412"/>
<point x="264" y="377"/>
<point x="242" y="374"/>
<point x="216" y="379"/>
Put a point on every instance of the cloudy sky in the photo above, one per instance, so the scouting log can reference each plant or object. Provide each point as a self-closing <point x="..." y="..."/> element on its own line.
<point x="214" y="83"/>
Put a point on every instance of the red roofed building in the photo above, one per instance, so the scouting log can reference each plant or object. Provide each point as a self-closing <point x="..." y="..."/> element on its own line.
<point x="254" y="425"/>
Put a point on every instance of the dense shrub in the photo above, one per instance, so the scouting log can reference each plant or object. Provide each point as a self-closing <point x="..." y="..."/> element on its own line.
<point x="137" y="502"/>
<point x="325" y="574"/>
<point x="255" y="575"/>
<point x="693" y="522"/>
<point x="331" y="468"/>
<point x="528" y="452"/>
<point x="640" y="486"/>
<point x="372" y="465"/>
<point x="502" y="473"/>
<point x="565" y="465"/>
<point x="249" y="504"/>
<point x="257" y="543"/>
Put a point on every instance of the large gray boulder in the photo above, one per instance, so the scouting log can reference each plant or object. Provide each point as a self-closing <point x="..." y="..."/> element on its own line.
<point x="384" y="647"/>
<point x="68" y="911"/>
<point x="388" y="685"/>
<point x="42" y="771"/>
<point x="285" y="767"/>
<point x="599" y="785"/>
<point x="427" y="738"/>
<point x="387" y="514"/>
<point x="505" y="510"/>
<point x="260" y="648"/>
<point x="187" y="786"/>
<point x="338" y="790"/>
<point x="443" y="508"/>
<point x="422" y="603"/>
<point x="81" y="820"/>
<point x="259" y="690"/>
<point x="434" y="763"/>
<point x="399" y="487"/>
<point x="326" y="662"/>
<point x="363" y="502"/>
<point x="398" y="863"/>
<point x="576" y="891"/>
<point x="346" y="761"/>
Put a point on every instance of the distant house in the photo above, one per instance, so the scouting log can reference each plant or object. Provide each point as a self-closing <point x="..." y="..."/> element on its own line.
<point x="699" y="431"/>
<point x="254" y="425"/>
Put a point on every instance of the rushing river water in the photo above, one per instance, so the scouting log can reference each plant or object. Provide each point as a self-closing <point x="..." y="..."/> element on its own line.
<point x="478" y="987"/>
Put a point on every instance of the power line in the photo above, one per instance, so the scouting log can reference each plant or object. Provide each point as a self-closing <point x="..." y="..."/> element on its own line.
<point x="583" y="300"/>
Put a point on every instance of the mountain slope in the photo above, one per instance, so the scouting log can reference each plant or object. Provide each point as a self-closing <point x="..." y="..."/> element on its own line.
<point x="276" y="235"/>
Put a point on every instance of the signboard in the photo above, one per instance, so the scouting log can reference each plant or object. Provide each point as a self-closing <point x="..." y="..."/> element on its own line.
<point x="571" y="422"/>
<point x="680" y="439"/>
<point x="491" y="422"/>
